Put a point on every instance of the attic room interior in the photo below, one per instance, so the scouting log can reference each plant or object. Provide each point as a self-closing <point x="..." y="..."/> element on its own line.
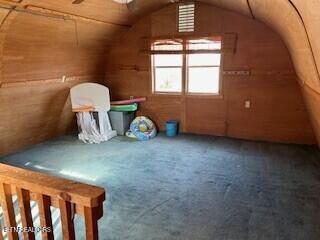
<point x="160" y="119"/>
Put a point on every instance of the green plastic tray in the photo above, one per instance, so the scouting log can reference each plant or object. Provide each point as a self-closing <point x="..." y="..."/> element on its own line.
<point x="124" y="108"/>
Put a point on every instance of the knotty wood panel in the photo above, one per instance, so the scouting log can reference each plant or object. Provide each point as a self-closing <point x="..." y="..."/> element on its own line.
<point x="278" y="112"/>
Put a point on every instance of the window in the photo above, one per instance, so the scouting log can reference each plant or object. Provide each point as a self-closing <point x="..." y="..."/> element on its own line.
<point x="167" y="68"/>
<point x="203" y="68"/>
<point x="168" y="73"/>
<point x="186" y="66"/>
<point x="203" y="73"/>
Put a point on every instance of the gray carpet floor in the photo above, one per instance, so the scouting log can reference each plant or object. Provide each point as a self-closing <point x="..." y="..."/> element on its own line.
<point x="191" y="187"/>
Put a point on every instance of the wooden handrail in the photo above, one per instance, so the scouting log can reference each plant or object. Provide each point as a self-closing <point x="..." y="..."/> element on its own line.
<point x="68" y="196"/>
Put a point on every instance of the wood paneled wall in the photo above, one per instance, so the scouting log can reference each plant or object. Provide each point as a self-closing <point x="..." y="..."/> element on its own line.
<point x="312" y="99"/>
<point x="277" y="113"/>
<point x="37" y="48"/>
<point x="41" y="41"/>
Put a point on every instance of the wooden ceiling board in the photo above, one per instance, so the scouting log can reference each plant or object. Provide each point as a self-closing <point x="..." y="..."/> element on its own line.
<point x="240" y="6"/>
<point x="3" y="14"/>
<point x="285" y="20"/>
<point x="103" y="10"/>
<point x="309" y="11"/>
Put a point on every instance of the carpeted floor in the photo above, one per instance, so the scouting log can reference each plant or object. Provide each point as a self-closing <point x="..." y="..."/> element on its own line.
<point x="192" y="187"/>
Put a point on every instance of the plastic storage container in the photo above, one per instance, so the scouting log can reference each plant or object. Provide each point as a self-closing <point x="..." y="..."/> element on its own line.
<point x="120" y="121"/>
<point x="171" y="128"/>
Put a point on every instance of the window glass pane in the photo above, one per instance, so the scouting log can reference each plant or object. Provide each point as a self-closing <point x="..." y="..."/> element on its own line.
<point x="204" y="44"/>
<point x="204" y="59"/>
<point x="204" y="80"/>
<point x="167" y="45"/>
<point x="168" y="79"/>
<point x="166" y="60"/>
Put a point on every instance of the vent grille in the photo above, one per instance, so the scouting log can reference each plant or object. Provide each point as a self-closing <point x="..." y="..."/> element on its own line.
<point x="186" y="17"/>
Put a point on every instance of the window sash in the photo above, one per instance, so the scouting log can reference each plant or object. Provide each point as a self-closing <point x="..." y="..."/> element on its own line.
<point x="210" y="59"/>
<point x="204" y="92"/>
<point x="186" y="46"/>
<point x="203" y="44"/>
<point x="155" y="80"/>
<point x="160" y="62"/>
<point x="203" y="66"/>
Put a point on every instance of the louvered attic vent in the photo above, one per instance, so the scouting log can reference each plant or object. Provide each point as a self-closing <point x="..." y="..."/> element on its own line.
<point x="186" y="17"/>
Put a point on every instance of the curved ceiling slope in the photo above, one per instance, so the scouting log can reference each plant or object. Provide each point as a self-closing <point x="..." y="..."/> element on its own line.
<point x="282" y="16"/>
<point x="309" y="12"/>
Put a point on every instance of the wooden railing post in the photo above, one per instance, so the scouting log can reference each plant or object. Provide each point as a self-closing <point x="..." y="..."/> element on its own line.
<point x="25" y="212"/>
<point x="45" y="216"/>
<point x="1" y="235"/>
<point x="91" y="216"/>
<point x="8" y="211"/>
<point x="69" y="196"/>
<point x="66" y="214"/>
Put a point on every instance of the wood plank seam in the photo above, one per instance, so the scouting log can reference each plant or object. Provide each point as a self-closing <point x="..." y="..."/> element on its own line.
<point x="250" y="9"/>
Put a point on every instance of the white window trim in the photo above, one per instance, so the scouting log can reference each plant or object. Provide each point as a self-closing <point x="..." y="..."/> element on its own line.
<point x="185" y="67"/>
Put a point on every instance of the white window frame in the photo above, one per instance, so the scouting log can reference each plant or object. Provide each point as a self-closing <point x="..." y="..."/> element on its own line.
<point x="184" y="68"/>
<point x="154" y="76"/>
<point x="187" y="68"/>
